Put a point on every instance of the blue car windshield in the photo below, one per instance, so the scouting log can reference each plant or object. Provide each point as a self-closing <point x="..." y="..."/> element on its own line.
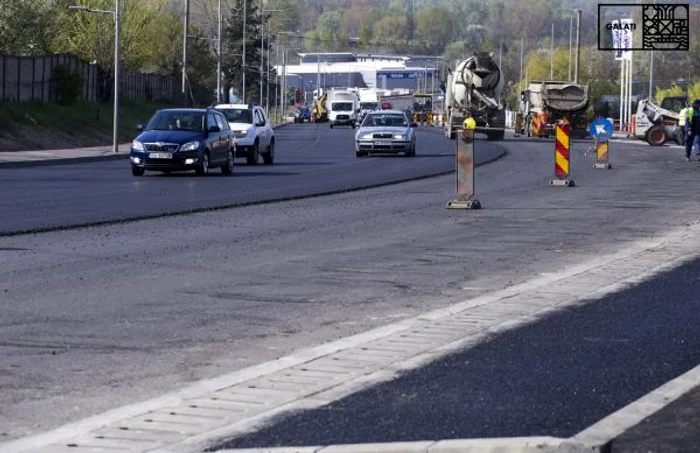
<point x="176" y="121"/>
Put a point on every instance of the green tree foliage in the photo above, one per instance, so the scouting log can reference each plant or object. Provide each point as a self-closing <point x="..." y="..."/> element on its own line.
<point x="390" y="31"/>
<point x="90" y="36"/>
<point x="434" y="27"/>
<point x="23" y="26"/>
<point x="233" y="43"/>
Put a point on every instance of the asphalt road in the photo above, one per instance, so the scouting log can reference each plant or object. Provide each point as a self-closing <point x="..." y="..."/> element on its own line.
<point x="100" y="317"/>
<point x="311" y="159"/>
<point x="554" y="377"/>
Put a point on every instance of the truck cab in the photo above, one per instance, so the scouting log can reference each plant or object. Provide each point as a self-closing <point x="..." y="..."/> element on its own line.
<point x="343" y="107"/>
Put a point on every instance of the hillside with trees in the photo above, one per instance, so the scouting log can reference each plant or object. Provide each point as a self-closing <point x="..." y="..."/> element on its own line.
<point x="152" y="36"/>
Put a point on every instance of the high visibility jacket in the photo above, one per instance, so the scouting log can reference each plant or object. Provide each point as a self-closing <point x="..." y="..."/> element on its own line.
<point x="684" y="116"/>
<point x="689" y="126"/>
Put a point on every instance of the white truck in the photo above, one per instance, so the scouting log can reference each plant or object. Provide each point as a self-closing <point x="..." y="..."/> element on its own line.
<point x="475" y="89"/>
<point x="369" y="102"/>
<point x="343" y="107"/>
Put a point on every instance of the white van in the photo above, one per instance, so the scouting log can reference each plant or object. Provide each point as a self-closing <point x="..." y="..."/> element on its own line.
<point x="343" y="107"/>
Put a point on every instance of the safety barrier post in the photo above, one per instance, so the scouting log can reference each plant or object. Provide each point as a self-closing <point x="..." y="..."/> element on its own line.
<point x="465" y="172"/>
<point x="518" y="124"/>
<point x="601" y="148"/>
<point x="562" y="157"/>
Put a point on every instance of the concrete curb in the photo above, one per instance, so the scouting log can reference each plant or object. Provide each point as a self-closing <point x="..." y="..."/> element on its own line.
<point x="500" y="445"/>
<point x="77" y="160"/>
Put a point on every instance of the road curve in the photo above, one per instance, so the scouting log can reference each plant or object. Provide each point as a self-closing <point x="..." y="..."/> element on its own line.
<point x="311" y="160"/>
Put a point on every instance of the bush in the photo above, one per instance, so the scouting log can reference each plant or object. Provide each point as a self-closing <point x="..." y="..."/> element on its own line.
<point x="68" y="84"/>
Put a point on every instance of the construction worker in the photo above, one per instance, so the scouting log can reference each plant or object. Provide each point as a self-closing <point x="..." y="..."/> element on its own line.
<point x="692" y="128"/>
<point x="682" y="120"/>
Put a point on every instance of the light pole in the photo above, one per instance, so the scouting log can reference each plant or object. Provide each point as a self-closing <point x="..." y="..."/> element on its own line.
<point x="115" y="13"/>
<point x="262" y="46"/>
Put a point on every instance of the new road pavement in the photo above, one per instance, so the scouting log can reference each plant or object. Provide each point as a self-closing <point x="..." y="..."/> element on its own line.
<point x="310" y="159"/>
<point x="97" y="318"/>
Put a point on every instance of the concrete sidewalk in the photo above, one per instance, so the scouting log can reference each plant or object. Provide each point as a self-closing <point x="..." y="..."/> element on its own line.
<point x="62" y="156"/>
<point x="69" y="155"/>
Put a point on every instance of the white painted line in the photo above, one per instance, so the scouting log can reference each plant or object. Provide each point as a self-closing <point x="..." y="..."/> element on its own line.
<point x="394" y="347"/>
<point x="616" y="424"/>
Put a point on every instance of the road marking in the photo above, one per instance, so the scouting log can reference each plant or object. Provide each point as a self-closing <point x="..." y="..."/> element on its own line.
<point x="213" y="410"/>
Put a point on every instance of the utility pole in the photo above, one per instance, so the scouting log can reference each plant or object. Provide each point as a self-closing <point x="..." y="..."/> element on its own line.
<point x="267" y="80"/>
<point x="115" y="125"/>
<point x="551" y="56"/>
<point x="578" y="43"/>
<point x="243" y="68"/>
<point x="522" y="42"/>
<point x="571" y="32"/>
<point x="218" y="60"/>
<point x="184" y="50"/>
<point x="262" y="48"/>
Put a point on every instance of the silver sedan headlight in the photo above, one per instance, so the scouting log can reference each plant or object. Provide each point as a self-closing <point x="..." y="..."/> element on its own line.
<point x="366" y="137"/>
<point x="400" y="137"/>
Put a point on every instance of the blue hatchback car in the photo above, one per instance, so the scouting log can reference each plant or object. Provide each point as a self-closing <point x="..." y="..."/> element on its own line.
<point x="182" y="140"/>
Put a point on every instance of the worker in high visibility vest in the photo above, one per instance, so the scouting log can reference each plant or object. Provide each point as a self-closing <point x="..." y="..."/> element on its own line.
<point x="682" y="120"/>
<point x="692" y="128"/>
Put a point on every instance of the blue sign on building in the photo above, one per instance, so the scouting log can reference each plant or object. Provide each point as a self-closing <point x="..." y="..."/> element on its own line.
<point x="400" y="75"/>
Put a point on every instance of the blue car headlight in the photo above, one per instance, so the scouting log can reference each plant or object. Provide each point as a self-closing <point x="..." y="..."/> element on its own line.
<point x="190" y="146"/>
<point x="137" y="145"/>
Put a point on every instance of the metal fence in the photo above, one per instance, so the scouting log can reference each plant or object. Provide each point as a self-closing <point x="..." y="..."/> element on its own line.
<point x="30" y="78"/>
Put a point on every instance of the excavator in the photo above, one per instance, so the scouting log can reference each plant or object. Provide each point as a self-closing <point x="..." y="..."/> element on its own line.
<point x="320" y="113"/>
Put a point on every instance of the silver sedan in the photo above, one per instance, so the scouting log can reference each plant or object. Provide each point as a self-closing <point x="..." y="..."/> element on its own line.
<point x="386" y="131"/>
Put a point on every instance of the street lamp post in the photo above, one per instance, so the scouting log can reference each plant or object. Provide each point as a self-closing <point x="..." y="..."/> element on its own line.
<point x="262" y="46"/>
<point x="117" y="17"/>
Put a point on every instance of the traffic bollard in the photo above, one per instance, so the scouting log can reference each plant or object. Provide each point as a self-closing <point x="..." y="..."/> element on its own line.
<point x="465" y="172"/>
<point x="518" y="124"/>
<point x="562" y="156"/>
<point x="602" y="155"/>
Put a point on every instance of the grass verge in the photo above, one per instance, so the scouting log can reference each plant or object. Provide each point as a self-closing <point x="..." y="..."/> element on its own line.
<point x="35" y="126"/>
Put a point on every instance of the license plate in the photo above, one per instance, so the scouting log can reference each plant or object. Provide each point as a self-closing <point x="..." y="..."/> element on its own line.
<point x="160" y="156"/>
<point x="384" y="143"/>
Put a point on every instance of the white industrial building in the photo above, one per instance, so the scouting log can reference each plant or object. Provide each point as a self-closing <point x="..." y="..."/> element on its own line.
<point x="390" y="73"/>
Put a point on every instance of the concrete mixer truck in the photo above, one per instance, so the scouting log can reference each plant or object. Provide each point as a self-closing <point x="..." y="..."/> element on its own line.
<point x="474" y="89"/>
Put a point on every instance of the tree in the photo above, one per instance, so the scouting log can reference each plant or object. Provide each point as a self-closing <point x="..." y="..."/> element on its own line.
<point x="233" y="43"/>
<point x="90" y="36"/>
<point x="23" y="26"/>
<point x="434" y="27"/>
<point x="390" y="31"/>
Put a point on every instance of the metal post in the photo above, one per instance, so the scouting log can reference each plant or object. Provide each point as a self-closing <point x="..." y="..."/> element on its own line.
<point x="551" y="56"/>
<point x="184" y="49"/>
<point x="117" y="23"/>
<point x="243" y="68"/>
<point x="571" y="32"/>
<point x="218" y="60"/>
<point x="522" y="41"/>
<point x="465" y="172"/>
<point x="262" y="48"/>
<point x="651" y="75"/>
<point x="267" y="79"/>
<point x="578" y="43"/>
<point x="277" y="73"/>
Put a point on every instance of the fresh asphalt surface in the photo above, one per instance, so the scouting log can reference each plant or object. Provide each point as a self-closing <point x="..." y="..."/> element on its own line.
<point x="99" y="317"/>
<point x="310" y="159"/>
<point x="551" y="378"/>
